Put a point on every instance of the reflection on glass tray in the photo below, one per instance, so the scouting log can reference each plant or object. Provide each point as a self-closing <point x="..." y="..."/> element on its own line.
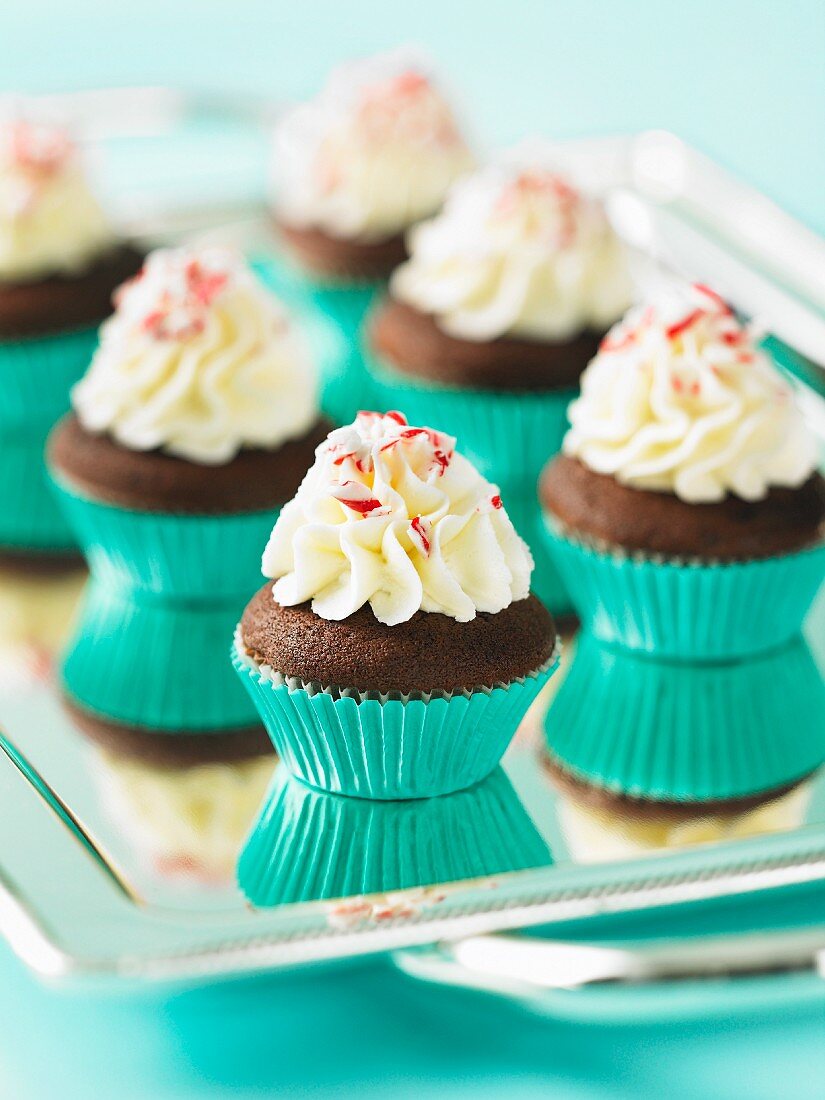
<point x="629" y="758"/>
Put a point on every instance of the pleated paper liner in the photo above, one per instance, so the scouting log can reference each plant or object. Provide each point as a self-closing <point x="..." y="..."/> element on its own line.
<point x="36" y="375"/>
<point x="165" y="593"/>
<point x="308" y="846"/>
<point x="688" y="732"/>
<point x="508" y="435"/>
<point x="345" y="384"/>
<point x="162" y="667"/>
<point x="685" y="610"/>
<point x="30" y="517"/>
<point x="175" y="557"/>
<point x="382" y="747"/>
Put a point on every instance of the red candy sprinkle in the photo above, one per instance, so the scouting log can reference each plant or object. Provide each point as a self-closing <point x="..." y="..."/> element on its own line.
<point x="419" y="531"/>
<point x="714" y="297"/>
<point x="680" y="326"/>
<point x="495" y="500"/>
<point x="355" y="496"/>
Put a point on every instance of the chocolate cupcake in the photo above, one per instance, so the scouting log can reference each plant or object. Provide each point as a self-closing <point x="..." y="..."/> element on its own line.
<point x="195" y="422"/>
<point x="354" y="168"/>
<point x="493" y="319"/>
<point x="686" y="513"/>
<point x="59" y="263"/>
<point x="400" y="645"/>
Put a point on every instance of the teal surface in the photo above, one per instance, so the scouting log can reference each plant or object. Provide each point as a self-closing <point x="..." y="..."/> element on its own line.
<point x="166" y="591"/>
<point x="390" y="748"/>
<point x="743" y="81"/>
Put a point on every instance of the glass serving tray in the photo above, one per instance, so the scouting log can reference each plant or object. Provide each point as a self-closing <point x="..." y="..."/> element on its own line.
<point x="115" y="866"/>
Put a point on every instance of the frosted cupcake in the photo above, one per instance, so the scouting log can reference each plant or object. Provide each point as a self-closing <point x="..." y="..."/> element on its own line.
<point x="490" y="323"/>
<point x="195" y="421"/>
<point x="59" y="263"/>
<point x="686" y="512"/>
<point x="354" y="168"/>
<point x="400" y="646"/>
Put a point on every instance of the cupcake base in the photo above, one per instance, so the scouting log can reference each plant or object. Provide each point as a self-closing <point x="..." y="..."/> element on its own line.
<point x="688" y="611"/>
<point x="308" y="846"/>
<point x="373" y="746"/>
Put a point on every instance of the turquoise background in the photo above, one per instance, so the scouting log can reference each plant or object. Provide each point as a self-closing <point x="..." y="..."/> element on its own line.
<point x="744" y="80"/>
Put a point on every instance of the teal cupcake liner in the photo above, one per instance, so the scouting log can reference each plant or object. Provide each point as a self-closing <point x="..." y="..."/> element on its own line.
<point x="30" y="518"/>
<point x="509" y="436"/>
<point x="382" y="747"/>
<point x="36" y="375"/>
<point x="175" y="556"/>
<point x="160" y="667"/>
<point x="685" y="732"/>
<point x="310" y="846"/>
<point x="164" y="595"/>
<point x="685" y="610"/>
<point x="345" y="383"/>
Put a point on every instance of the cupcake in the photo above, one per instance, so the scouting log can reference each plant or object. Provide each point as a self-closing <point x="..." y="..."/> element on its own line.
<point x="354" y="168"/>
<point x="492" y="320"/>
<point x="701" y="737"/>
<point x="311" y="846"/>
<point x="600" y="828"/>
<point x="400" y="645"/>
<point x="195" y="421"/>
<point x="686" y="512"/>
<point x="59" y="263"/>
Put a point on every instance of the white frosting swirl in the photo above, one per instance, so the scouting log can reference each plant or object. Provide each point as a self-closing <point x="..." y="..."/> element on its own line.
<point x="681" y="400"/>
<point x="516" y="251"/>
<point x="371" y="155"/>
<point x="392" y="516"/>
<point x="200" y="360"/>
<point x="50" y="222"/>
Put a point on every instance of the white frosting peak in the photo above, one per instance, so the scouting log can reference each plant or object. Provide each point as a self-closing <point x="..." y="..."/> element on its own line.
<point x="371" y="155"/>
<point x="680" y="399"/>
<point x="393" y="516"/>
<point x="200" y="360"/>
<point x="50" y="223"/>
<point x="516" y="251"/>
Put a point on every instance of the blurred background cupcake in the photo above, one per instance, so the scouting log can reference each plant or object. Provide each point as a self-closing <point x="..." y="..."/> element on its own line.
<point x="373" y="154"/>
<point x="400" y="646"/>
<point x="310" y="846"/>
<point x="492" y="320"/>
<point x="60" y="260"/>
<point x="686" y="511"/>
<point x="196" y="420"/>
